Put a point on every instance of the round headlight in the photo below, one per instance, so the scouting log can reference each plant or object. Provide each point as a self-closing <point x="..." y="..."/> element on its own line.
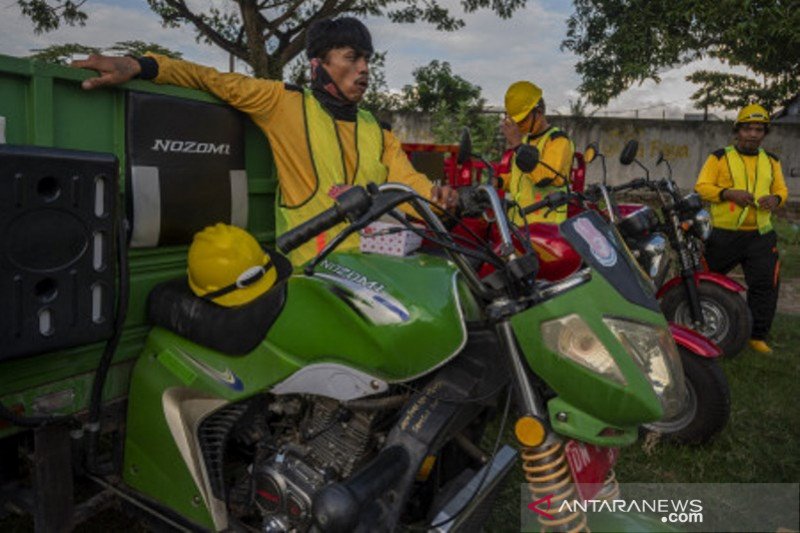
<point x="702" y="224"/>
<point x="654" y="251"/>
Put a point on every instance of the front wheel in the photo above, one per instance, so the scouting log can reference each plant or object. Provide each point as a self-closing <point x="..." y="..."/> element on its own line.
<point x="726" y="318"/>
<point x="708" y="402"/>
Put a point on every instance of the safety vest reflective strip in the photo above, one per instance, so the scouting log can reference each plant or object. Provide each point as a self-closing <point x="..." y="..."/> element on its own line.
<point x="728" y="215"/>
<point x="328" y="161"/>
<point x="526" y="193"/>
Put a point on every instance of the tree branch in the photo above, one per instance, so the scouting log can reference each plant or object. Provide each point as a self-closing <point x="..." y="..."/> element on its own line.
<point x="205" y="29"/>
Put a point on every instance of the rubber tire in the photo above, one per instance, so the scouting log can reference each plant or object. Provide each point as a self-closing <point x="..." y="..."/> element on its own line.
<point x="739" y="317"/>
<point x="713" y="401"/>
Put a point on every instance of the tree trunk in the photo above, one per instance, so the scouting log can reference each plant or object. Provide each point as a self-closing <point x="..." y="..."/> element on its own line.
<point x="254" y="34"/>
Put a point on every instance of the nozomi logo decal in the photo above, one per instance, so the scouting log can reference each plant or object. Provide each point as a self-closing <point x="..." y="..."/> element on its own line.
<point x="190" y="147"/>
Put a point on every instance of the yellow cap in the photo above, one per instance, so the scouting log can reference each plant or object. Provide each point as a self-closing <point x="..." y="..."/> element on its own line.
<point x="521" y="98"/>
<point x="753" y="113"/>
<point x="224" y="256"/>
<point x="529" y="431"/>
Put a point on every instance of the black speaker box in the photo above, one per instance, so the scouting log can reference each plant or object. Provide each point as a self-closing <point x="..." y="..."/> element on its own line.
<point x="58" y="216"/>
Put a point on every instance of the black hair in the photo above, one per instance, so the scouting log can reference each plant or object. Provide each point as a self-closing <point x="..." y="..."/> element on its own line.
<point x="326" y="34"/>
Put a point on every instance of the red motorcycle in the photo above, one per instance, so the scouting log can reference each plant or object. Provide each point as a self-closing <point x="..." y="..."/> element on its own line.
<point x="708" y="302"/>
<point x="708" y="408"/>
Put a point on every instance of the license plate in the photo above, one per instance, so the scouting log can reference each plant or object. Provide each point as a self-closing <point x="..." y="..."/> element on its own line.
<point x="589" y="465"/>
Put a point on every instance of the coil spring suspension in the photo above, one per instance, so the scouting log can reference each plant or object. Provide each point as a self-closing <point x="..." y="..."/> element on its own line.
<point x="547" y="472"/>
<point x="610" y="490"/>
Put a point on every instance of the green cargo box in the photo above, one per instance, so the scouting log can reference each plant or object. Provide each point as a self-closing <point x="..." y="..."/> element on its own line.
<point x="43" y="105"/>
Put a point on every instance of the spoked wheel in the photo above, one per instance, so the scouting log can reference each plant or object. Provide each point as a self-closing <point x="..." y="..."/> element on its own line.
<point x="708" y="403"/>
<point x="726" y="318"/>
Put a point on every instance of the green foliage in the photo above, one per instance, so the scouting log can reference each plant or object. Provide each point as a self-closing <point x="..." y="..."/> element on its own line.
<point x="454" y="103"/>
<point x="48" y="16"/>
<point x="62" y="53"/>
<point x="622" y="42"/>
<point x="138" y="48"/>
<point x="268" y="34"/>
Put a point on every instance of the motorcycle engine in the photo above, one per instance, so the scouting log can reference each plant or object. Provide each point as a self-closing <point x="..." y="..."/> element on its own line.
<point x="328" y="445"/>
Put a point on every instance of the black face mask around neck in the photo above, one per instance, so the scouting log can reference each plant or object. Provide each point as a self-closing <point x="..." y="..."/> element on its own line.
<point x="331" y="97"/>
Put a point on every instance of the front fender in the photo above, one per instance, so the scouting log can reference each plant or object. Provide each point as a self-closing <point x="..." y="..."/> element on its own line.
<point x="713" y="277"/>
<point x="694" y="342"/>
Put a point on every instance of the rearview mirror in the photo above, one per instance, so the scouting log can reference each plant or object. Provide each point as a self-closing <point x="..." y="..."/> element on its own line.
<point x="660" y="158"/>
<point x="527" y="157"/>
<point x="464" y="147"/>
<point x="590" y="153"/>
<point x="629" y="152"/>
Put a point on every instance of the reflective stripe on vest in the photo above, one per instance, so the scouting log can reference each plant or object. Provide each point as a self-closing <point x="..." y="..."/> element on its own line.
<point x="328" y="161"/>
<point x="526" y="193"/>
<point x="728" y="215"/>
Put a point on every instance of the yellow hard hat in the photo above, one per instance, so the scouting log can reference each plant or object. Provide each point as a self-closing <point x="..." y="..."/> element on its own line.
<point x="521" y="98"/>
<point x="753" y="113"/>
<point x="228" y="266"/>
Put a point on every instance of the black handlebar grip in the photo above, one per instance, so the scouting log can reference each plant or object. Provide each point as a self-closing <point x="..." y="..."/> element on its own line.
<point x="352" y="203"/>
<point x="552" y="201"/>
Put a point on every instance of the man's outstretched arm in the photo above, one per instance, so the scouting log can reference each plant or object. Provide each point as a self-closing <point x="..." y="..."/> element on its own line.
<point x="249" y="95"/>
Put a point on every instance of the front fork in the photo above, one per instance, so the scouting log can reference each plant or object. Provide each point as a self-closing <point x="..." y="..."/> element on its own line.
<point x="544" y="462"/>
<point x="688" y="269"/>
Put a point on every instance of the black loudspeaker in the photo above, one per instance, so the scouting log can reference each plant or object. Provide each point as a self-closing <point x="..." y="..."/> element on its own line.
<point x="58" y="216"/>
<point x="186" y="168"/>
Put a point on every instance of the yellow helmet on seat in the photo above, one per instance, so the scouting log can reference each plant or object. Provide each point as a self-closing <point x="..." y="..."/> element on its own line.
<point x="752" y="113"/>
<point x="521" y="98"/>
<point x="228" y="266"/>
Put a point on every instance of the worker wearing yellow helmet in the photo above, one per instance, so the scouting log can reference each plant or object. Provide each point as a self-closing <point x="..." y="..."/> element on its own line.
<point x="744" y="184"/>
<point x="525" y="122"/>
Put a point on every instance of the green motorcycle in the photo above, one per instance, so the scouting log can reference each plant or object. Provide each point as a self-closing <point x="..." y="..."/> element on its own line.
<point x="353" y="395"/>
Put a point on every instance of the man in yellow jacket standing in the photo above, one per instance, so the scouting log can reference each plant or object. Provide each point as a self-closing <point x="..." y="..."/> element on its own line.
<point x="744" y="184"/>
<point x="322" y="142"/>
<point x="525" y="122"/>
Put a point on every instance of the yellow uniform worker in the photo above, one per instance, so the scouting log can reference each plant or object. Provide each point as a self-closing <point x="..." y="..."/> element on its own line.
<point x="526" y="123"/>
<point x="744" y="184"/>
<point x="322" y="142"/>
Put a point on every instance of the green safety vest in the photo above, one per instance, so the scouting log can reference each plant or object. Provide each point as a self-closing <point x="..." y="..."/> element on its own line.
<point x="525" y="193"/>
<point x="728" y="215"/>
<point x="327" y="157"/>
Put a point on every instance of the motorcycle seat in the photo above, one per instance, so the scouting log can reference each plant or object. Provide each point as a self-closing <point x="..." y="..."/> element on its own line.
<point x="230" y="330"/>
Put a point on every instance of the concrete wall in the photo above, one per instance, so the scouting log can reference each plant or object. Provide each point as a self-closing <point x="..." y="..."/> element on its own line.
<point x="686" y="144"/>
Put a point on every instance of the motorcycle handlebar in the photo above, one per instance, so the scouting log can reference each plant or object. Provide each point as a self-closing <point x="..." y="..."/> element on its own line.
<point x="351" y="204"/>
<point x="552" y="200"/>
<point x="633" y="184"/>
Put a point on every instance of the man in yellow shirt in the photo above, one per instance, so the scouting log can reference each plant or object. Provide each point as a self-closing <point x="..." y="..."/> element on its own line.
<point x="744" y="184"/>
<point x="322" y="142"/>
<point x="525" y="122"/>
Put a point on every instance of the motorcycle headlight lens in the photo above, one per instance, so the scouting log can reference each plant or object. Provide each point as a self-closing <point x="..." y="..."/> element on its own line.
<point x="702" y="224"/>
<point x="654" y="351"/>
<point x="572" y="338"/>
<point x="655" y="254"/>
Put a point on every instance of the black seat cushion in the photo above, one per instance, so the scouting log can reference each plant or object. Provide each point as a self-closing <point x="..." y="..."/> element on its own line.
<point x="230" y="330"/>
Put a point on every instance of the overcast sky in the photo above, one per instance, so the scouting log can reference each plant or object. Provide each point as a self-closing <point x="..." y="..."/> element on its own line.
<point x="488" y="51"/>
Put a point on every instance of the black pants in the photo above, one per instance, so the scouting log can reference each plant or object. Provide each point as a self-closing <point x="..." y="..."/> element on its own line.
<point x="758" y="255"/>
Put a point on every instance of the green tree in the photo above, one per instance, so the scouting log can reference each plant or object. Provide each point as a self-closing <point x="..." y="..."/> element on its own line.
<point x="453" y="103"/>
<point x="268" y="34"/>
<point x="622" y="42"/>
<point x="62" y="53"/>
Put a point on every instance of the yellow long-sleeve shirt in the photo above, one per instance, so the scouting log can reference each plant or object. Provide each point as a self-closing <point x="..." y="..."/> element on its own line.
<point x="278" y="112"/>
<point x="715" y="176"/>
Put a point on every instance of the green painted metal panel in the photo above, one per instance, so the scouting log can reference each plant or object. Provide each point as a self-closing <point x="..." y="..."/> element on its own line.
<point x="44" y="105"/>
<point x="616" y="404"/>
